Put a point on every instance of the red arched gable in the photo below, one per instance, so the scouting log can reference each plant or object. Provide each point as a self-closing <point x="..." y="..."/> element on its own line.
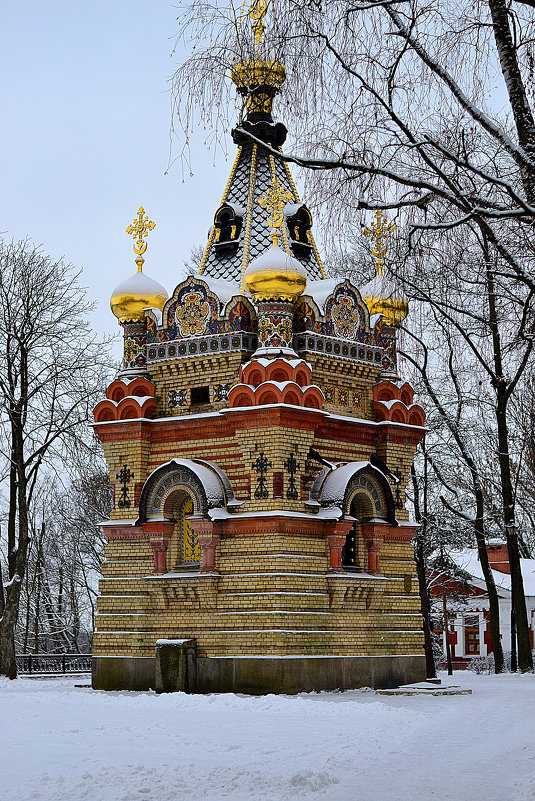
<point x="118" y="394"/>
<point x="116" y="387"/>
<point x="291" y="398"/>
<point x="417" y="417"/>
<point x="302" y="377"/>
<point x="128" y="412"/>
<point x="241" y="395"/>
<point x="268" y="396"/>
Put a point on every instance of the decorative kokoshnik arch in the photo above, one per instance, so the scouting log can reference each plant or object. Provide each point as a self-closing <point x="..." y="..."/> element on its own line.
<point x="335" y="487"/>
<point x="206" y="482"/>
<point x="332" y="494"/>
<point x="210" y="491"/>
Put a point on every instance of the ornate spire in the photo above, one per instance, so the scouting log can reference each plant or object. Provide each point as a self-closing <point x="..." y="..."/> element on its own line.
<point x="241" y="232"/>
<point x="379" y="231"/>
<point x="380" y="294"/>
<point x="259" y="79"/>
<point x="138" y="292"/>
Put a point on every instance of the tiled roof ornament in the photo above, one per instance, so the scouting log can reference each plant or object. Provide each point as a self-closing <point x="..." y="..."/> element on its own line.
<point x="139" y="291"/>
<point x="130" y="297"/>
<point x="380" y="294"/>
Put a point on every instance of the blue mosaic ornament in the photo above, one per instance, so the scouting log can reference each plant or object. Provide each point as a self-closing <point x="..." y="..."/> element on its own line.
<point x="177" y="398"/>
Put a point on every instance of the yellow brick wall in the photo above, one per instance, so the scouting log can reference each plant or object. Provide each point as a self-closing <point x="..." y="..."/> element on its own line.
<point x="274" y="594"/>
<point x="194" y="371"/>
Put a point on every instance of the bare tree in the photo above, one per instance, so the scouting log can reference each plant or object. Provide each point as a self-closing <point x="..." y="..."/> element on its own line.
<point x="397" y="109"/>
<point x="51" y="371"/>
<point x="65" y="553"/>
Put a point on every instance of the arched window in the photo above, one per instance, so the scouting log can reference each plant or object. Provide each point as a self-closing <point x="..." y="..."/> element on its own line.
<point x="354" y="553"/>
<point x="191" y="550"/>
<point x="184" y="548"/>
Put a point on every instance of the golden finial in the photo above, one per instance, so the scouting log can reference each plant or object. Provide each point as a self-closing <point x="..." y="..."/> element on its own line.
<point x="273" y="201"/>
<point x="379" y="231"/>
<point x="257" y="12"/>
<point x="140" y="227"/>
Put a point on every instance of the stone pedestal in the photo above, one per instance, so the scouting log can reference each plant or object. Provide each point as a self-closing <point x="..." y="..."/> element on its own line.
<point x="176" y="666"/>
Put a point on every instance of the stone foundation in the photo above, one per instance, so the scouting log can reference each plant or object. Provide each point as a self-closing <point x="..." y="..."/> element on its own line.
<point x="262" y="675"/>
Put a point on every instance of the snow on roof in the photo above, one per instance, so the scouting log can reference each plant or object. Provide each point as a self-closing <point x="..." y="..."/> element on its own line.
<point x="275" y="351"/>
<point x="293" y="361"/>
<point x="156" y="311"/>
<point x="469" y="561"/>
<point x="209" y="479"/>
<point x="275" y="258"/>
<point x="225" y="290"/>
<point x="381" y="287"/>
<point x="374" y="318"/>
<point x="141" y="284"/>
<point x="320" y="290"/>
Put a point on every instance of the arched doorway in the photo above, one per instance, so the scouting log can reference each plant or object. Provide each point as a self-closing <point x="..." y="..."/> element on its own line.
<point x="354" y="552"/>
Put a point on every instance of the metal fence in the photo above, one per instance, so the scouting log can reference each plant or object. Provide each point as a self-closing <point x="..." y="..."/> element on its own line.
<point x="53" y="663"/>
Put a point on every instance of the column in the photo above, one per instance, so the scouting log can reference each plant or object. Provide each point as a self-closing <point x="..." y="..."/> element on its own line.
<point x="134" y="348"/>
<point x="208" y="540"/>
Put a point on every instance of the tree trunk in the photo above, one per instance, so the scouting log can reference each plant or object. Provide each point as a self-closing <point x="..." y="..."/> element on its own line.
<point x="508" y="55"/>
<point x="494" y="604"/>
<point x="419" y="556"/>
<point x="518" y="598"/>
<point x="503" y="389"/>
<point x="8" y="664"/>
<point x="445" y="621"/>
<point x="12" y="520"/>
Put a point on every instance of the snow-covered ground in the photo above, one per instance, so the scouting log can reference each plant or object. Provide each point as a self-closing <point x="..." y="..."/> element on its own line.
<point x="61" y="743"/>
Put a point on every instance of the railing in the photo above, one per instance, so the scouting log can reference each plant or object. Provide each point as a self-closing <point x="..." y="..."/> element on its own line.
<point x="53" y="664"/>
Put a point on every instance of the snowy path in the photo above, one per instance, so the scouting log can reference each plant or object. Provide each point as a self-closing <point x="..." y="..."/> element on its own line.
<point x="58" y="743"/>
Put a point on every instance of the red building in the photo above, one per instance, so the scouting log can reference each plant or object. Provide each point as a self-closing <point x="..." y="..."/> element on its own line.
<point x="468" y="603"/>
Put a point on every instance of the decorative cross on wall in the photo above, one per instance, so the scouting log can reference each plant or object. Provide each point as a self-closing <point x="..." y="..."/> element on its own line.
<point x="261" y="466"/>
<point x="292" y="466"/>
<point x="124" y="476"/>
<point x="398" y="502"/>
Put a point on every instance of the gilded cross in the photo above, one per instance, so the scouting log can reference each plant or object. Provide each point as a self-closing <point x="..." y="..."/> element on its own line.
<point x="379" y="231"/>
<point x="257" y="12"/>
<point x="274" y="201"/>
<point x="141" y="225"/>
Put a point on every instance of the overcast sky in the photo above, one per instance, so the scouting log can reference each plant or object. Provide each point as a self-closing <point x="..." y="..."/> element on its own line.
<point x="85" y="140"/>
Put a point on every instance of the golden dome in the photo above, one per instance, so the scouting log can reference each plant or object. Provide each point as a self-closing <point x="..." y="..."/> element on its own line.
<point x="275" y="275"/>
<point x="382" y="297"/>
<point x="135" y="294"/>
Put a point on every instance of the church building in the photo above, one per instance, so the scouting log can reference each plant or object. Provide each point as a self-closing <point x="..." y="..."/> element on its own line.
<point x="259" y="441"/>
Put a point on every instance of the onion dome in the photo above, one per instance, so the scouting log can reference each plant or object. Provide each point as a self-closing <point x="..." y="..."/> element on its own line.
<point x="383" y="297"/>
<point x="275" y="275"/>
<point x="135" y="294"/>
